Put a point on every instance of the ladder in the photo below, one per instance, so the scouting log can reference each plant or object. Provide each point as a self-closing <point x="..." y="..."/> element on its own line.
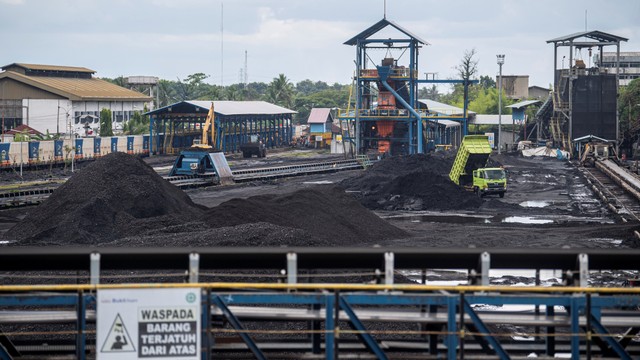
<point x="364" y="161"/>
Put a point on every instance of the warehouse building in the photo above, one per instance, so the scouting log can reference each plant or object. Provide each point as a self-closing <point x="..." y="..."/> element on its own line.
<point x="176" y="126"/>
<point x="62" y="99"/>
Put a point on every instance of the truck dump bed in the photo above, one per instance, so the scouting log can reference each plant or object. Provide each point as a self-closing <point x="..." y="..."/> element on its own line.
<point x="473" y="154"/>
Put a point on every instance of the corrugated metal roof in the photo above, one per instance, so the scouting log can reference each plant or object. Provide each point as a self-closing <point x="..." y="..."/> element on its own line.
<point x="242" y="107"/>
<point x="78" y="89"/>
<point x="379" y="26"/>
<point x="223" y="108"/>
<point x="319" y="116"/>
<point x="594" y="35"/>
<point x="491" y="119"/>
<point x="522" y="104"/>
<point x="442" y="108"/>
<point x="50" y="67"/>
<point x="449" y="123"/>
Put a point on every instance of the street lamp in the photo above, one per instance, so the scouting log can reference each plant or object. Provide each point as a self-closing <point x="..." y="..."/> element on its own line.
<point x="500" y="62"/>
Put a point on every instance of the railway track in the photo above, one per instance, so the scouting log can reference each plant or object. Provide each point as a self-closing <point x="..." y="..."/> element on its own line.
<point x="616" y="187"/>
<point x="35" y="193"/>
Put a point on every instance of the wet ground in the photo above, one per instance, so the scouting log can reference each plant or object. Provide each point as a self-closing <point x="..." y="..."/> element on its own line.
<point x="547" y="205"/>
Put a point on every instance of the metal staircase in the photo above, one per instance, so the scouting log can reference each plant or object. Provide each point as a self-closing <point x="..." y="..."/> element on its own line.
<point x="560" y="114"/>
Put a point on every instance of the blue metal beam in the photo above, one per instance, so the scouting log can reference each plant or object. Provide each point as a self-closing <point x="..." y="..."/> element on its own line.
<point x="433" y="81"/>
<point x="233" y="320"/>
<point x="483" y="328"/>
<point x="622" y="353"/>
<point x="369" y="341"/>
<point x="408" y="107"/>
<point x="4" y="354"/>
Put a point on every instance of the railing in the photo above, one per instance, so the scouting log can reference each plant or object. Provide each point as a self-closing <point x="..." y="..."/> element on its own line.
<point x="303" y="318"/>
<point x="396" y="72"/>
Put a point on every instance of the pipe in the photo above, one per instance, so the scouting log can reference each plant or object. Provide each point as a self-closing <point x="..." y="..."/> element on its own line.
<point x="408" y="107"/>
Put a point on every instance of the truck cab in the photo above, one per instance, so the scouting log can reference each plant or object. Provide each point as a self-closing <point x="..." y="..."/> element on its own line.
<point x="488" y="181"/>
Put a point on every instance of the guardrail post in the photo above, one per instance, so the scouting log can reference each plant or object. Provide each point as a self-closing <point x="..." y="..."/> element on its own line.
<point x="388" y="268"/>
<point x="194" y="267"/>
<point x="95" y="268"/>
<point x="583" y="266"/>
<point x="292" y="268"/>
<point x="485" y="265"/>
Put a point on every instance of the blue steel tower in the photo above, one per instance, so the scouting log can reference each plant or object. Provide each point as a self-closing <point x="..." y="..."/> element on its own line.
<point x="388" y="117"/>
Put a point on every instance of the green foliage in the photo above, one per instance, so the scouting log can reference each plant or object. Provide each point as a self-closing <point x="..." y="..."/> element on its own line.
<point x="106" y="123"/>
<point x="25" y="136"/>
<point x="280" y="92"/>
<point x="329" y="98"/>
<point x="487" y="82"/>
<point x="138" y="124"/>
<point x="430" y="93"/>
<point x="629" y="105"/>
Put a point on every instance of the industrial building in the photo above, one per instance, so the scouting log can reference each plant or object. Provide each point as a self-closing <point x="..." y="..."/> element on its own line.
<point x="386" y="116"/>
<point x="174" y="127"/>
<point x="515" y="86"/>
<point x="62" y="99"/>
<point x="629" y="65"/>
<point x="584" y="99"/>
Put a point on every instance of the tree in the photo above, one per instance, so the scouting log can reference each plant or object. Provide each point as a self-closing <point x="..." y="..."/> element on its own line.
<point x="280" y="91"/>
<point x="137" y="125"/>
<point x="192" y="88"/>
<point x="629" y="105"/>
<point x="430" y="93"/>
<point x="468" y="66"/>
<point x="487" y="82"/>
<point x="106" y="123"/>
<point x="329" y="98"/>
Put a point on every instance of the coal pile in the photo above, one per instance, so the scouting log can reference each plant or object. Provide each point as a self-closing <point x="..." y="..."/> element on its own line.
<point x="411" y="182"/>
<point x="119" y="200"/>
<point x="326" y="214"/>
<point x="116" y="196"/>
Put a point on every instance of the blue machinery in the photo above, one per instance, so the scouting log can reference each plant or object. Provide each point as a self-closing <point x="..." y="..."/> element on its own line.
<point x="396" y="122"/>
<point x="325" y="320"/>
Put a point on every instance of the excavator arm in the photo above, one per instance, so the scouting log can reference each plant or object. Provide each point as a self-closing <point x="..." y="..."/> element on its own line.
<point x="209" y="126"/>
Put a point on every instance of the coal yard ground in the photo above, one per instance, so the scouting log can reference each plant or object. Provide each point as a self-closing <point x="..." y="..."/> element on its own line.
<point x="404" y="201"/>
<point x="120" y="201"/>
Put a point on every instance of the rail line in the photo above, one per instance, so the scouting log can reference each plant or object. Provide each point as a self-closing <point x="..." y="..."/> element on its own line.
<point x="616" y="187"/>
<point x="35" y="194"/>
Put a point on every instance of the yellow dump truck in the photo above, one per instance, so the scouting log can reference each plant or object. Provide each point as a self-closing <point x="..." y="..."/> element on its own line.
<point x="469" y="171"/>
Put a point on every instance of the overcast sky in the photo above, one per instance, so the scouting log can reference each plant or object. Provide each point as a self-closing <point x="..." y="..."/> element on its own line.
<point x="302" y="39"/>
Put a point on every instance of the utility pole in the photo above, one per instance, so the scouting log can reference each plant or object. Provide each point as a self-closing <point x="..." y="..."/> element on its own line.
<point x="500" y="62"/>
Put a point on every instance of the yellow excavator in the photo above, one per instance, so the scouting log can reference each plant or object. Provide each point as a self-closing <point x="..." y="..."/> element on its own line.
<point x="204" y="157"/>
<point x="209" y="125"/>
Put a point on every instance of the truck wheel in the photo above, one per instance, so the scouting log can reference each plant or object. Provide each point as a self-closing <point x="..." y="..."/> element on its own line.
<point x="478" y="192"/>
<point x="246" y="155"/>
<point x="501" y="195"/>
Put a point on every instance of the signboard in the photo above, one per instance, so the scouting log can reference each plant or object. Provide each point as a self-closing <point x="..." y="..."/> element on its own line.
<point x="319" y="138"/>
<point x="491" y="137"/>
<point x="114" y="144"/>
<point x="148" y="324"/>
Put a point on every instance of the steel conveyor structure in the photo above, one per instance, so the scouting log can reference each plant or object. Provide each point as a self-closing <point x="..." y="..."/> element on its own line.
<point x="286" y="310"/>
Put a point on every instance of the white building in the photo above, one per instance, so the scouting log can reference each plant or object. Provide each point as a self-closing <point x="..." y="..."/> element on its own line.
<point x="62" y="99"/>
<point x="629" y="65"/>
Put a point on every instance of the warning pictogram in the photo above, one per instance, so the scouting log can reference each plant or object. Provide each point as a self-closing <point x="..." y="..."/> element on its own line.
<point x="118" y="339"/>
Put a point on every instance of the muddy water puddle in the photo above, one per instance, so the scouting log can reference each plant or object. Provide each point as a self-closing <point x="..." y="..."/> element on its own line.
<point x="453" y="218"/>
